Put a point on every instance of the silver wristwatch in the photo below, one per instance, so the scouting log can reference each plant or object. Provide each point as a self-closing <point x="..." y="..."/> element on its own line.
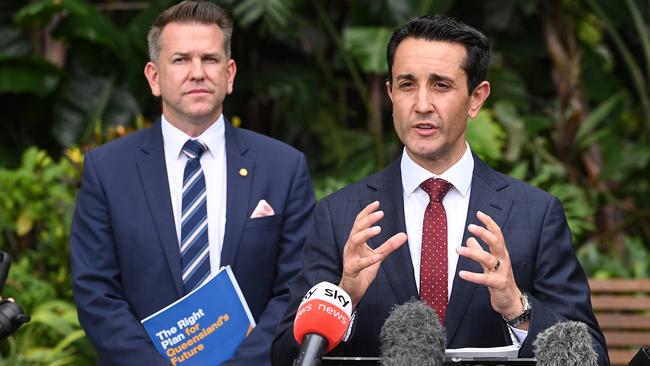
<point x="523" y="317"/>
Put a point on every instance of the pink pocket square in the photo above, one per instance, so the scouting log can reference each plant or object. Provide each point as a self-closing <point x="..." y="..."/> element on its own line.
<point x="263" y="209"/>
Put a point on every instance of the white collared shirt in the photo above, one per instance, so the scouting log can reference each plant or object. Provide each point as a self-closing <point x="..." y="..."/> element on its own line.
<point x="213" y="163"/>
<point x="456" y="204"/>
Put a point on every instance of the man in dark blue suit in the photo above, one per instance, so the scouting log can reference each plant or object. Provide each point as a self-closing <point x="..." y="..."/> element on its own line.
<point x="252" y="210"/>
<point x="492" y="255"/>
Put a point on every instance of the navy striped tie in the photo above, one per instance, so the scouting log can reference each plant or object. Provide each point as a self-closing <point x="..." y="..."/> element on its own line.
<point x="195" y="251"/>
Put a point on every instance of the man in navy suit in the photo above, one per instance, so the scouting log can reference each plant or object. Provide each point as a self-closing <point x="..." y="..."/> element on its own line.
<point x="492" y="255"/>
<point x="255" y="203"/>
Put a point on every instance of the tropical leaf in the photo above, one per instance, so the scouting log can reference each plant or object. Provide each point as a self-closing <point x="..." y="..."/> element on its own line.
<point x="623" y="159"/>
<point x="88" y="105"/>
<point x="249" y="11"/>
<point x="596" y="117"/>
<point x="485" y="136"/>
<point x="78" y="20"/>
<point x="28" y="75"/>
<point x="578" y="209"/>
<point x="509" y="86"/>
<point x="368" y="47"/>
<point x="508" y="116"/>
<point x="13" y="43"/>
<point x="57" y="316"/>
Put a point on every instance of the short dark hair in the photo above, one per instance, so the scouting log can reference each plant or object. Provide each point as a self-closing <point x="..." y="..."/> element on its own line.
<point x="189" y="11"/>
<point x="447" y="29"/>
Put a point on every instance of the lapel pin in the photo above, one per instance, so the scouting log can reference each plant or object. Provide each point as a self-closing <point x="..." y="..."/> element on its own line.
<point x="243" y="172"/>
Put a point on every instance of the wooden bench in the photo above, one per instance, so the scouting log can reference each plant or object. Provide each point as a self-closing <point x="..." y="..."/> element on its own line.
<point x="622" y="308"/>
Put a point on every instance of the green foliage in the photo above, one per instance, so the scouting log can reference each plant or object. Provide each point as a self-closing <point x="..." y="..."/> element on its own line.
<point x="53" y="337"/>
<point x="26" y="75"/>
<point x="634" y="262"/>
<point x="574" y="121"/>
<point x="78" y="20"/>
<point x="274" y="11"/>
<point x="35" y="215"/>
<point x="585" y="135"/>
<point x="486" y="137"/>
<point x="368" y="47"/>
<point x="29" y="288"/>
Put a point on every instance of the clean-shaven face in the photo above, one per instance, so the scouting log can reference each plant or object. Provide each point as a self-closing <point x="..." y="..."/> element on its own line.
<point x="192" y="73"/>
<point x="431" y="103"/>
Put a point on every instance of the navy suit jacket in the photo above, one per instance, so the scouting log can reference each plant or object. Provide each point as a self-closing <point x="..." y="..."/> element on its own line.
<point x="125" y="253"/>
<point x="536" y="235"/>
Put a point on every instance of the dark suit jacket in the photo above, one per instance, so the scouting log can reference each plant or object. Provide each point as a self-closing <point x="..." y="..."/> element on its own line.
<point x="125" y="253"/>
<point x="536" y="235"/>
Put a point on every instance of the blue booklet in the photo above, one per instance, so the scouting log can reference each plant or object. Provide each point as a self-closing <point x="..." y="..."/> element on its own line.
<point x="204" y="327"/>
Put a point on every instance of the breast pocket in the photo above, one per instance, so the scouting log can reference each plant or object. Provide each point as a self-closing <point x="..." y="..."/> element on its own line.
<point x="260" y="239"/>
<point x="262" y="222"/>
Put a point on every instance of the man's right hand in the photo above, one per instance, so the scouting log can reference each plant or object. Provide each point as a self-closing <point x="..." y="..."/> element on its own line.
<point x="360" y="262"/>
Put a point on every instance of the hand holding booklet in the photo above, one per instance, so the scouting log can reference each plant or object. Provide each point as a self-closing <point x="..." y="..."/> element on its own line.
<point x="206" y="326"/>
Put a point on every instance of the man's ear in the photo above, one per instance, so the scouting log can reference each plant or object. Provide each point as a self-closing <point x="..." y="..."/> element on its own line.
<point x="231" y="70"/>
<point x="151" y="73"/>
<point x="478" y="97"/>
<point x="389" y="90"/>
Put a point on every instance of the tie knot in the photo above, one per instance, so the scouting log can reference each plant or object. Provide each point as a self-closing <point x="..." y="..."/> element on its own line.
<point x="194" y="149"/>
<point x="436" y="188"/>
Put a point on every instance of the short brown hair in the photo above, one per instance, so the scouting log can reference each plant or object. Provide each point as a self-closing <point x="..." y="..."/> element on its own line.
<point x="190" y="11"/>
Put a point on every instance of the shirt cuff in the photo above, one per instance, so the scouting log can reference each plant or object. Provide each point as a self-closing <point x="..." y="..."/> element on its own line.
<point x="517" y="335"/>
<point x="349" y="332"/>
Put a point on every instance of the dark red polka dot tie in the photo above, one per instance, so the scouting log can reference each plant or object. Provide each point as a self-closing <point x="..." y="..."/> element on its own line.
<point x="433" y="263"/>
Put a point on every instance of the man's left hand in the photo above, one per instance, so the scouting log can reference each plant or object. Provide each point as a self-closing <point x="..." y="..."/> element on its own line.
<point x="497" y="275"/>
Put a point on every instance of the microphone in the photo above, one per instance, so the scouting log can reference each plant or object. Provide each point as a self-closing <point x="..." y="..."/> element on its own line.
<point x="412" y="335"/>
<point x="565" y="343"/>
<point x="321" y="322"/>
<point x="642" y="358"/>
<point x="12" y="315"/>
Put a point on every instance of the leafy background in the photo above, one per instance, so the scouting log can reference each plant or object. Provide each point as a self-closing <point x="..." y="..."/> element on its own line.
<point x="569" y="112"/>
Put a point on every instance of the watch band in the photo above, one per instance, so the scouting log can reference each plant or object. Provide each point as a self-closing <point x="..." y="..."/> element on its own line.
<point x="350" y="331"/>
<point x="524" y="316"/>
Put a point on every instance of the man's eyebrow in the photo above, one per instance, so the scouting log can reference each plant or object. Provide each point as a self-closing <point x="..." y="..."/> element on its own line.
<point x="438" y="77"/>
<point x="405" y="77"/>
<point x="432" y="77"/>
<point x="203" y="55"/>
<point x="211" y="54"/>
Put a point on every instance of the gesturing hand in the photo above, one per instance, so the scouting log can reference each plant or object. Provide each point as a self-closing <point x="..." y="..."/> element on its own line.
<point x="360" y="262"/>
<point x="497" y="275"/>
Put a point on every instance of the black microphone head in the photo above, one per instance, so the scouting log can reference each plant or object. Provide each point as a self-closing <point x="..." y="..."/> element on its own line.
<point x="566" y="344"/>
<point x="412" y="335"/>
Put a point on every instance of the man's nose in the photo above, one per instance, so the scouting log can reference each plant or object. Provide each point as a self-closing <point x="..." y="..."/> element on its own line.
<point x="423" y="101"/>
<point x="196" y="70"/>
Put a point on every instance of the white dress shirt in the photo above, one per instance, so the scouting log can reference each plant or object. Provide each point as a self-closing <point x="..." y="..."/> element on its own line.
<point x="456" y="204"/>
<point x="213" y="163"/>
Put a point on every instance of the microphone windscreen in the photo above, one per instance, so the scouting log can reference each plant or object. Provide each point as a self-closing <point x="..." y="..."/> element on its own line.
<point x="325" y="310"/>
<point x="412" y="335"/>
<point x="566" y="343"/>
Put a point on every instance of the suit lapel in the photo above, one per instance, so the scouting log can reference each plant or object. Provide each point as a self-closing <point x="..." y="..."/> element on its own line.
<point x="398" y="266"/>
<point x="238" y="188"/>
<point x="485" y="197"/>
<point x="153" y="177"/>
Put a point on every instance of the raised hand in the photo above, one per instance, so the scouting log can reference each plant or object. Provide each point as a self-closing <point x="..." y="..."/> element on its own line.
<point x="360" y="262"/>
<point x="497" y="275"/>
